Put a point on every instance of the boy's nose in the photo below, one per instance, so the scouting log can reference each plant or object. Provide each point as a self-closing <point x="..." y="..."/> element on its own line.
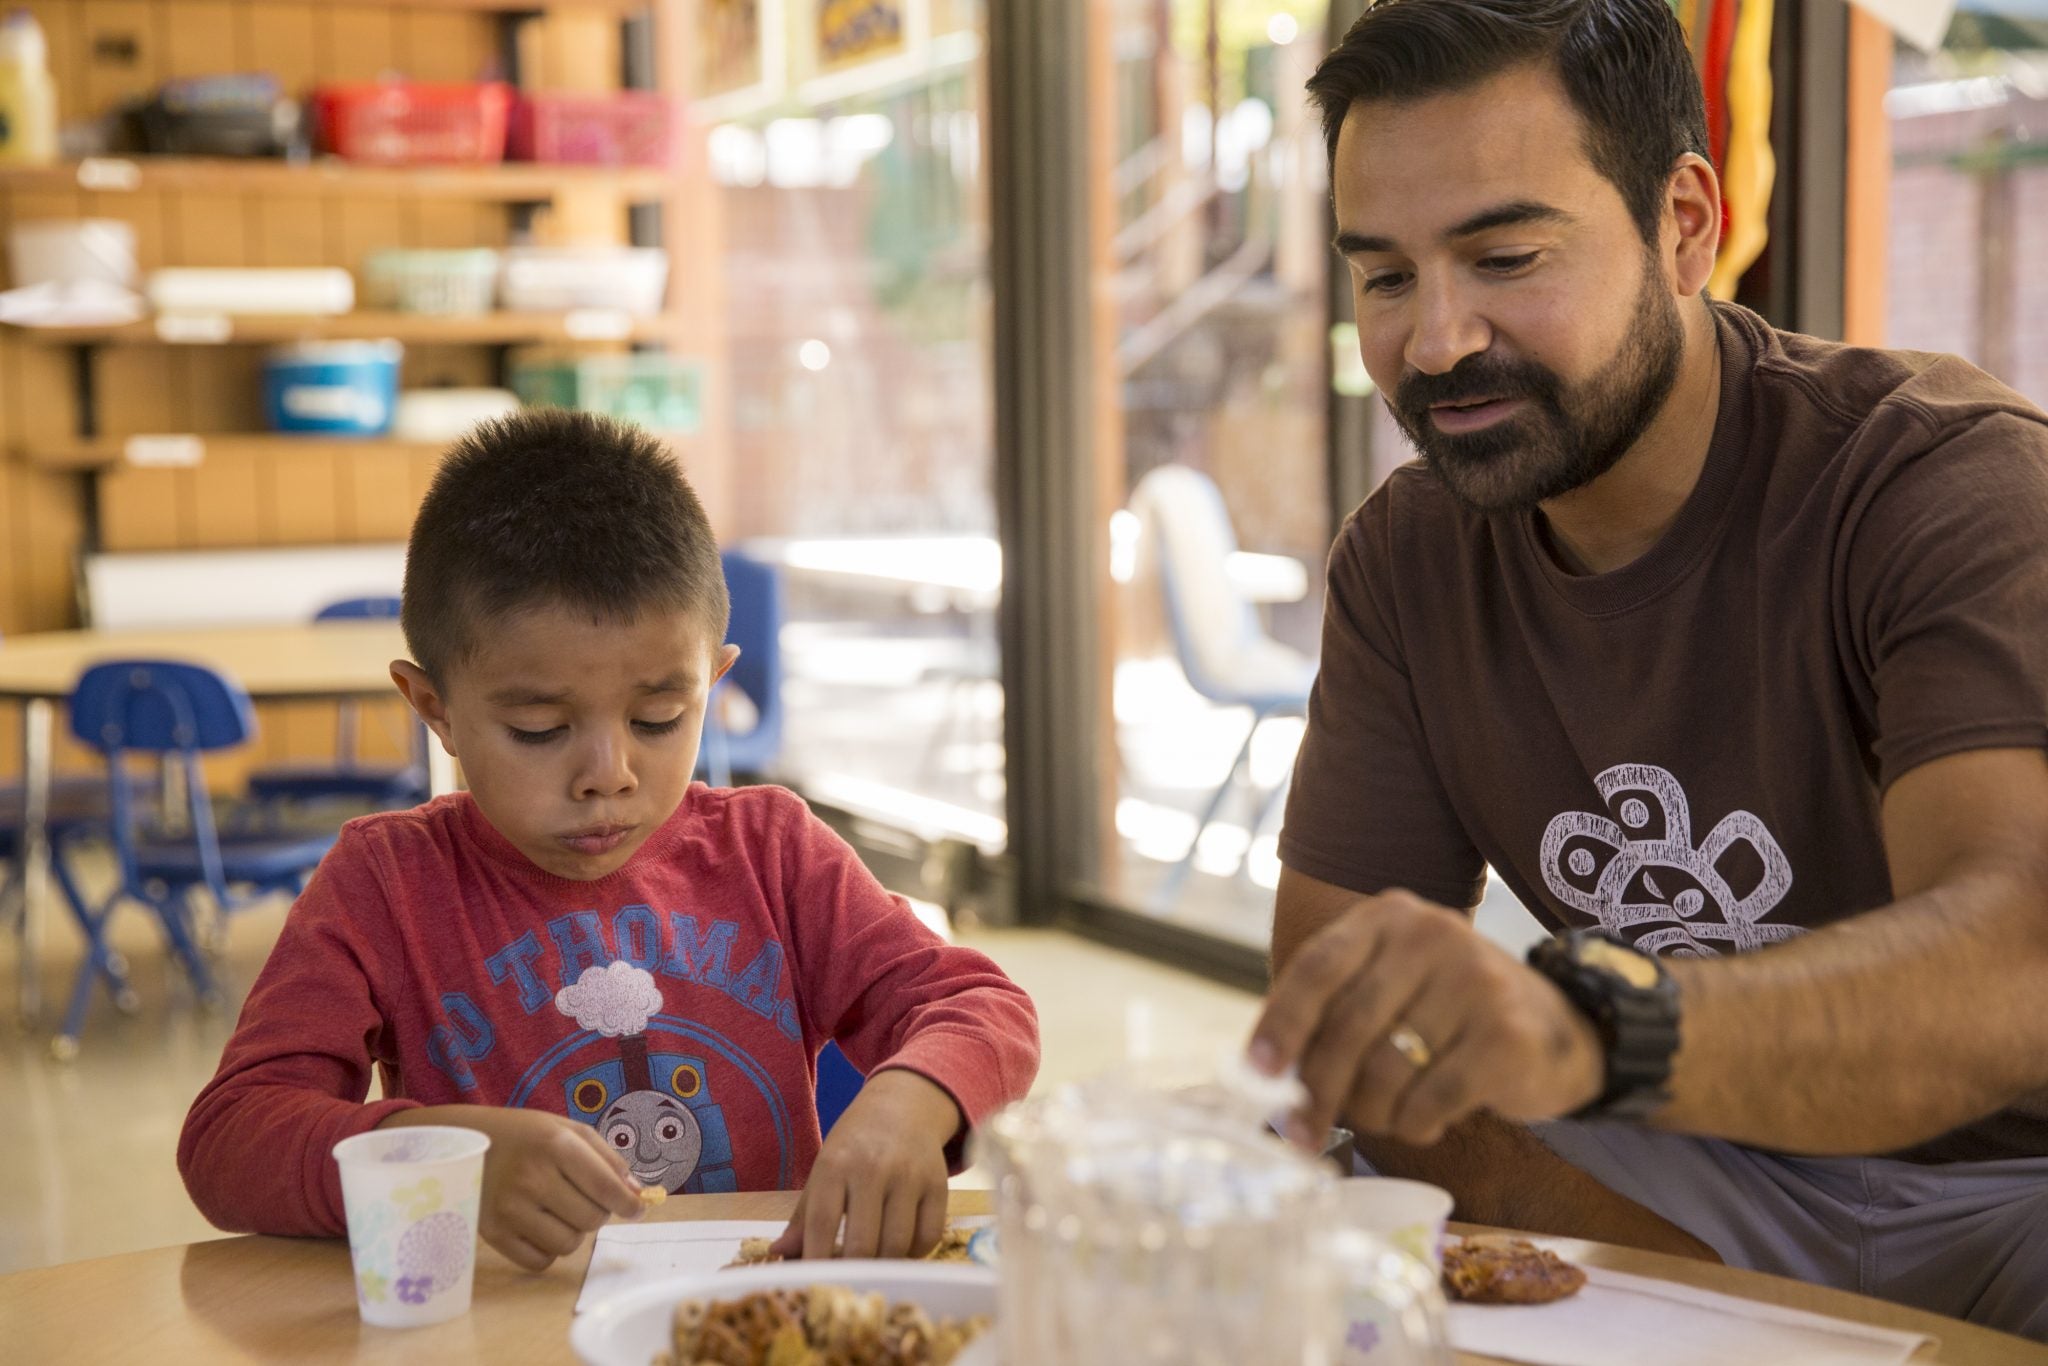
<point x="605" y="771"/>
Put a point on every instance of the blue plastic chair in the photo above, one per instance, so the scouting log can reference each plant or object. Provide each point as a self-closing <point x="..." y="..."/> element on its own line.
<point x="176" y="712"/>
<point x="379" y="785"/>
<point x="756" y="627"/>
<point x="77" y="811"/>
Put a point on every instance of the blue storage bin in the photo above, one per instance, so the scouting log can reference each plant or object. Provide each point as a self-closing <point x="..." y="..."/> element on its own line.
<point x="332" y="388"/>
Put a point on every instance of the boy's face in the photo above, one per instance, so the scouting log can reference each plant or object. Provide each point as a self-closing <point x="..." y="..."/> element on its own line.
<point x="577" y="738"/>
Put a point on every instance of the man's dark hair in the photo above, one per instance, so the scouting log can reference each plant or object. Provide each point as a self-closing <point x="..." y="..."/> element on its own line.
<point x="1623" y="63"/>
<point x="550" y="506"/>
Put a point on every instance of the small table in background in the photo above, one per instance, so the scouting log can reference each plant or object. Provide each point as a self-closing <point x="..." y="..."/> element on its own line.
<point x="328" y="662"/>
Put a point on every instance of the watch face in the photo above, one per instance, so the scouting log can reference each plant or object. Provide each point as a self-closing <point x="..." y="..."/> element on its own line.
<point x="1630" y="966"/>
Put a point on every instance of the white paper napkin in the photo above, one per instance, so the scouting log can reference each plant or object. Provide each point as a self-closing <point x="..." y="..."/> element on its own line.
<point x="1622" y="1320"/>
<point x="628" y="1255"/>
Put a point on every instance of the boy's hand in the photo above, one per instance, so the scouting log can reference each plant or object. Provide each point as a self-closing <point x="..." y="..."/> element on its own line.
<point x="548" y="1181"/>
<point x="883" y="1169"/>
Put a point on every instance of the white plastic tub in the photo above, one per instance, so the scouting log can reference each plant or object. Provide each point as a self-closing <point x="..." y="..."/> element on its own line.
<point x="630" y="280"/>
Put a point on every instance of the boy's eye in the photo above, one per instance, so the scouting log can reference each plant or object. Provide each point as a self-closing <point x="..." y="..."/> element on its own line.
<point x="537" y="737"/>
<point x="1385" y="283"/>
<point x="667" y="727"/>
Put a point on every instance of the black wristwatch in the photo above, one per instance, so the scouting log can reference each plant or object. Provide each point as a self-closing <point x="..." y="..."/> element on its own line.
<point x="1633" y="1004"/>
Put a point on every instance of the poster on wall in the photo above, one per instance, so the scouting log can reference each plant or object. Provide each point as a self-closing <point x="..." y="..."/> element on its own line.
<point x="854" y="32"/>
<point x="730" y="46"/>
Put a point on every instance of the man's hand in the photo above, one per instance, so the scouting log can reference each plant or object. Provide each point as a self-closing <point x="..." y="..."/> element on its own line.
<point x="882" y="1170"/>
<point x="1494" y="1034"/>
<point x="548" y="1181"/>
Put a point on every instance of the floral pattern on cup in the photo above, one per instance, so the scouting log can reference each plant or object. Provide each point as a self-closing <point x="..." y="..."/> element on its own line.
<point x="420" y="1199"/>
<point x="433" y="1255"/>
<point x="370" y="1287"/>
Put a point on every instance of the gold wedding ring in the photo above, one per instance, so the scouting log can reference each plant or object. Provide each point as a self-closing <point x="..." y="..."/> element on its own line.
<point x="1409" y="1045"/>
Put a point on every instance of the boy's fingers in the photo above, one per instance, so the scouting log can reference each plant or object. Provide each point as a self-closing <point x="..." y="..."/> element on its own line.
<point x="566" y="1202"/>
<point x="931" y="1222"/>
<point x="790" y="1243"/>
<point x="601" y="1175"/>
<point x="899" y="1224"/>
<point x="864" y="1219"/>
<point x="544" y="1231"/>
<point x="518" y="1251"/>
<point x="825" y="1201"/>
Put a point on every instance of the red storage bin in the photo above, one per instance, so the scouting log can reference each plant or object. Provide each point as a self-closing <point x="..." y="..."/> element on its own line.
<point x="405" y="123"/>
<point x="623" y="128"/>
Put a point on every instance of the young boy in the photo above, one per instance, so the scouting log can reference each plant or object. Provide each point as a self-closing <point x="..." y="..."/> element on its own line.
<point x="622" y="978"/>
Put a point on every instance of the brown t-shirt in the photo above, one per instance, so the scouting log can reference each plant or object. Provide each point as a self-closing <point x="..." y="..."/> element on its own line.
<point x="1691" y="749"/>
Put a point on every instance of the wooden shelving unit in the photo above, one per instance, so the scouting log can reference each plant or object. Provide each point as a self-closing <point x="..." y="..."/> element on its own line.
<point x="112" y="452"/>
<point x="486" y="329"/>
<point x="510" y="182"/>
<point x="621" y="7"/>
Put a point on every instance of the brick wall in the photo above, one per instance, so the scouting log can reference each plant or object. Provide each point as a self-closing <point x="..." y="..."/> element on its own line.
<point x="1943" y="219"/>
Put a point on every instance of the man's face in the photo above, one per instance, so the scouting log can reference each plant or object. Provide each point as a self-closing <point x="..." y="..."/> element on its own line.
<point x="577" y="738"/>
<point x="1508" y="309"/>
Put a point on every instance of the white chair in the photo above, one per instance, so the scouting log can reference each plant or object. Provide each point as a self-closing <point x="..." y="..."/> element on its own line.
<point x="1221" y="645"/>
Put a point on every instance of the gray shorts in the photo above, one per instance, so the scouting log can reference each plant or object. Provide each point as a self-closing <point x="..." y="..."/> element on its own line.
<point x="1966" y="1239"/>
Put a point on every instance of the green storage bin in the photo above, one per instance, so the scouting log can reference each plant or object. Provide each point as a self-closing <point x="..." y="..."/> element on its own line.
<point x="650" y="388"/>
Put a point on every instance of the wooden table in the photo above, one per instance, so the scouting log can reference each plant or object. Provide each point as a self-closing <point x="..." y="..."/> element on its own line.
<point x="275" y="1299"/>
<point x="333" y="661"/>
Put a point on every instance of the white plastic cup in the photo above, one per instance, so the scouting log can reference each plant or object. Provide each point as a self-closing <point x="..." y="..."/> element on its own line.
<point x="1394" y="1312"/>
<point x="411" y="1196"/>
<point x="1410" y="1215"/>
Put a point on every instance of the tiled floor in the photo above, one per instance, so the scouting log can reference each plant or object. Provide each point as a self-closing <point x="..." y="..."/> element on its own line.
<point x="87" y="1151"/>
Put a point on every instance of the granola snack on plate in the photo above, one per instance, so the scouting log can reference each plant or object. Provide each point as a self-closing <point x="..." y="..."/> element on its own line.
<point x="822" y="1325"/>
<point x="952" y="1247"/>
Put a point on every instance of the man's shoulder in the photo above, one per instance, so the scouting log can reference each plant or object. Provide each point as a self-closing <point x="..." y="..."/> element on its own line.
<point x="1875" y="398"/>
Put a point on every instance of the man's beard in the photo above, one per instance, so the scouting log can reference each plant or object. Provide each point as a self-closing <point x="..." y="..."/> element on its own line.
<point x="1561" y="440"/>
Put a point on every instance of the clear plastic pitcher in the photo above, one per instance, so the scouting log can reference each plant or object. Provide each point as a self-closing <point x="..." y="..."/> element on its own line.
<point x="1140" y="1223"/>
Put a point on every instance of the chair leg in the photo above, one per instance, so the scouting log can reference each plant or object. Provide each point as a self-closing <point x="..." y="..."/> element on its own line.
<point x="112" y="965"/>
<point x="1175" y="880"/>
<point x="10" y="896"/>
<point x="64" y="1047"/>
<point x="175" y="913"/>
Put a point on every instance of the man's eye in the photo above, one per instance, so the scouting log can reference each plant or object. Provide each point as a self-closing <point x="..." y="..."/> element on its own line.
<point x="1509" y="265"/>
<point x="1383" y="284"/>
<point x="668" y="727"/>
<point x="537" y="737"/>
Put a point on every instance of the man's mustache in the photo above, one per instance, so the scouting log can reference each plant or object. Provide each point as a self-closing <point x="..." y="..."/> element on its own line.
<point x="1472" y="379"/>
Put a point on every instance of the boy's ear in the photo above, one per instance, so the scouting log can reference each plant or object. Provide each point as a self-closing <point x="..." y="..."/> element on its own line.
<point x="728" y="656"/>
<point x="425" y="699"/>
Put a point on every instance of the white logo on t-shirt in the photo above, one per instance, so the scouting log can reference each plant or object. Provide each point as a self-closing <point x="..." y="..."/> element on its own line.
<point x="1643" y="879"/>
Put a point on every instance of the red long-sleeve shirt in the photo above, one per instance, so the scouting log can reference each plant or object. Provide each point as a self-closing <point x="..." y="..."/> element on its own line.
<point x="677" y="1005"/>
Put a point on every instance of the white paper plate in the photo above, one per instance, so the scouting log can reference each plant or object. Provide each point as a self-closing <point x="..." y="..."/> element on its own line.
<point x="630" y="1328"/>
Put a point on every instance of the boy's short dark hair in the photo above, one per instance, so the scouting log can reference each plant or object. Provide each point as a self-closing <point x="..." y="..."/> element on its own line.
<point x="554" y="506"/>
<point x="1623" y="63"/>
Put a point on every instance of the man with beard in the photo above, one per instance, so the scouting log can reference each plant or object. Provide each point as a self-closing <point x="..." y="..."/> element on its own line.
<point x="1726" y="647"/>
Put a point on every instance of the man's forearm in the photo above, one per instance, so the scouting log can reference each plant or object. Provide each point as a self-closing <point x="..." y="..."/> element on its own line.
<point x="1880" y="1032"/>
<point x="1503" y="1175"/>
